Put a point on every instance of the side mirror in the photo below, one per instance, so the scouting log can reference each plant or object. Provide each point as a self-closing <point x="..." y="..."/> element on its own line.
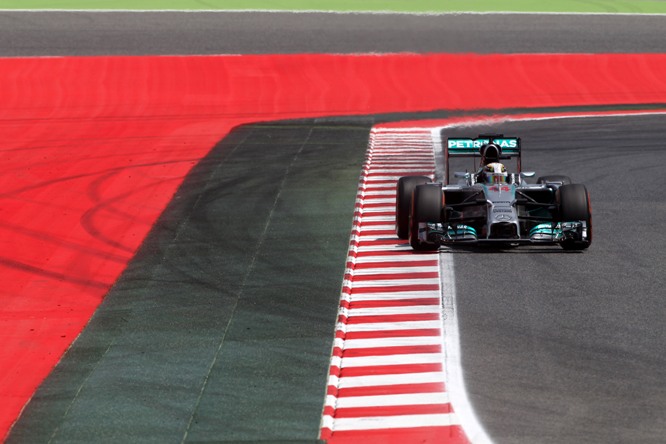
<point x="528" y="174"/>
<point x="461" y="174"/>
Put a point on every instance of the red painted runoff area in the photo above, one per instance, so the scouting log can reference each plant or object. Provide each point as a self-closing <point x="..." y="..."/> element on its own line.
<point x="93" y="148"/>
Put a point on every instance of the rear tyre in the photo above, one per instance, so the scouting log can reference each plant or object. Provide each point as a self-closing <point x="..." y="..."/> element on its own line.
<point x="574" y="205"/>
<point x="403" y="202"/>
<point x="426" y="207"/>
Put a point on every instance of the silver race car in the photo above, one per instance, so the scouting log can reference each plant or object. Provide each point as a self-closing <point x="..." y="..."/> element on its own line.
<point x="490" y="205"/>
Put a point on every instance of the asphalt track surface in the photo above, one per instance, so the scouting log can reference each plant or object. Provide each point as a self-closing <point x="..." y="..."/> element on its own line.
<point x="561" y="347"/>
<point x="557" y="347"/>
<point x="101" y="33"/>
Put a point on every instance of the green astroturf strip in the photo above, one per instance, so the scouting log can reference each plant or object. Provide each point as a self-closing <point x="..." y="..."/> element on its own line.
<point x="599" y="6"/>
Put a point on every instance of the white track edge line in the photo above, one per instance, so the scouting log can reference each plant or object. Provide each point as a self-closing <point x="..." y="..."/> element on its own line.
<point x="455" y="383"/>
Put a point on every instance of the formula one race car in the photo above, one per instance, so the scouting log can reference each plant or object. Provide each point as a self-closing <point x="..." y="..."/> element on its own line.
<point x="490" y="205"/>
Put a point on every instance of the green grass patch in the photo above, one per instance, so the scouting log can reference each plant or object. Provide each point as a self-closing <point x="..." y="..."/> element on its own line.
<point x="599" y="6"/>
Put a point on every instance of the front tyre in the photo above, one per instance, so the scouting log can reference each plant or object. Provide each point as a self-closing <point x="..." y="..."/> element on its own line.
<point x="403" y="202"/>
<point x="574" y="205"/>
<point x="426" y="208"/>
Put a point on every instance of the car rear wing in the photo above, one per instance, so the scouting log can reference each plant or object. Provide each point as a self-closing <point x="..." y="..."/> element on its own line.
<point x="509" y="148"/>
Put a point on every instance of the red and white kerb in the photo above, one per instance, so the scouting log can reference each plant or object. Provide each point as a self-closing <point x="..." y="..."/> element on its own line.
<point x="387" y="375"/>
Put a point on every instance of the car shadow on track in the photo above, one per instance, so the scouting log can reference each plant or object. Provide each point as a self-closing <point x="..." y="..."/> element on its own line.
<point x="469" y="249"/>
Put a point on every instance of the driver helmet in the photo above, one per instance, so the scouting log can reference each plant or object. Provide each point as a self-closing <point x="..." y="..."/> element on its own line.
<point x="494" y="173"/>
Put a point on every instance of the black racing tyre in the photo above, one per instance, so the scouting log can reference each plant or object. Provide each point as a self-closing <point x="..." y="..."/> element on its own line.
<point x="555" y="178"/>
<point x="574" y="205"/>
<point x="403" y="202"/>
<point x="426" y="207"/>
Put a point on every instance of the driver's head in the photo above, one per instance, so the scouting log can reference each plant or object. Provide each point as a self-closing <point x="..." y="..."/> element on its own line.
<point x="494" y="172"/>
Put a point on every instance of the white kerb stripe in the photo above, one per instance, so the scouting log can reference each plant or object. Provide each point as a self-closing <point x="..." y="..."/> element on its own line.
<point x="408" y="358"/>
<point x="408" y="257"/>
<point x="382" y="209"/>
<point x="351" y="344"/>
<point x="393" y="296"/>
<point x="377" y="227"/>
<point x="395" y="283"/>
<point x="395" y="422"/>
<point x="385" y="311"/>
<point x="389" y="192"/>
<point x="397" y="248"/>
<point x="386" y="177"/>
<point x="379" y="200"/>
<point x="399" y="379"/>
<point x="395" y="270"/>
<point x="389" y="400"/>
<point x="371" y="218"/>
<point x="369" y="183"/>
<point x="387" y="326"/>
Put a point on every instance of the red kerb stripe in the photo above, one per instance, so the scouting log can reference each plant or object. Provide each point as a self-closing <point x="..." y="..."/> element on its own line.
<point x="371" y="223"/>
<point x="397" y="264"/>
<point x="393" y="303"/>
<point x="430" y="387"/>
<point x="396" y="288"/>
<point x="387" y="253"/>
<point x="388" y="351"/>
<point x="390" y="213"/>
<point x="389" y="369"/>
<point x="425" y="409"/>
<point x="354" y="320"/>
<point x="383" y="277"/>
<point x="389" y="333"/>
<point x="377" y="233"/>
